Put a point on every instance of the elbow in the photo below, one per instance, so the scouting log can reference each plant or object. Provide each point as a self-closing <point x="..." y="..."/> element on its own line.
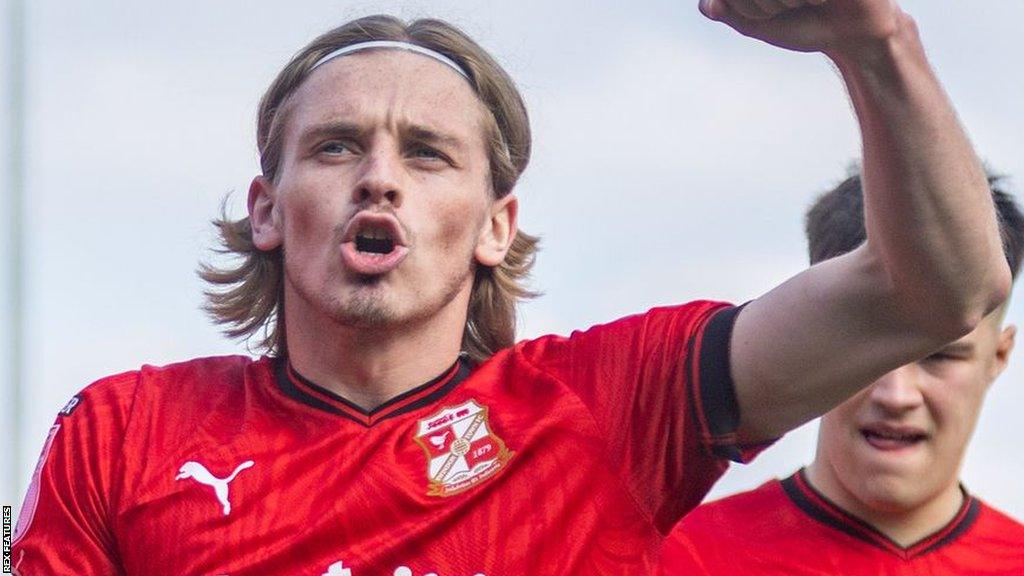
<point x="1001" y="285"/>
<point x="996" y="291"/>
<point x="979" y="299"/>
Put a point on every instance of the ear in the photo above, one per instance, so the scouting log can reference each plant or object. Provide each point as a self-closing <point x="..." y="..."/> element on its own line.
<point x="263" y="215"/>
<point x="498" y="232"/>
<point x="1004" y="346"/>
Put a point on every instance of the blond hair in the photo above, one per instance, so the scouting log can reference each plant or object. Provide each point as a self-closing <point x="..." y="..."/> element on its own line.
<point x="248" y="298"/>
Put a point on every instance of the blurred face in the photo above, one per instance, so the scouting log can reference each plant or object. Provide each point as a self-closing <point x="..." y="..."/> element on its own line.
<point x="898" y="444"/>
<point x="383" y="203"/>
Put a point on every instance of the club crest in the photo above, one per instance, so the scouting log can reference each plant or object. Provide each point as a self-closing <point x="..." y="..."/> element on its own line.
<point x="462" y="449"/>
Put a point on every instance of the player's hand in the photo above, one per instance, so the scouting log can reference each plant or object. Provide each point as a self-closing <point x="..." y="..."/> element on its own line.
<point x="835" y="27"/>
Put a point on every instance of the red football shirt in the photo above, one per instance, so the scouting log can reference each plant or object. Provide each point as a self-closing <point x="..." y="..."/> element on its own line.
<point x="788" y="528"/>
<point x="556" y="456"/>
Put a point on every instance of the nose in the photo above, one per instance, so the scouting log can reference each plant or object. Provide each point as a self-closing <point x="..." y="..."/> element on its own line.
<point x="899" y="390"/>
<point x="379" y="179"/>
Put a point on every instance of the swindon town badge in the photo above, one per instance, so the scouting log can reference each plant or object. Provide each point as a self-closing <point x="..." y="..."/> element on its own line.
<point x="462" y="449"/>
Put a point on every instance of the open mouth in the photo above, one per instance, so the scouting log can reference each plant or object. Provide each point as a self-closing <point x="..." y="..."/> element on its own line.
<point x="887" y="438"/>
<point x="373" y="244"/>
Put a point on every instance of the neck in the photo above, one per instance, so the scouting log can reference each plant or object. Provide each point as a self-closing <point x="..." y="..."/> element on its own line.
<point x="368" y="365"/>
<point x="903" y="523"/>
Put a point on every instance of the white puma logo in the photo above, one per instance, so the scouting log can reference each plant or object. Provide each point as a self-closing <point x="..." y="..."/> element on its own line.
<point x="199" y="473"/>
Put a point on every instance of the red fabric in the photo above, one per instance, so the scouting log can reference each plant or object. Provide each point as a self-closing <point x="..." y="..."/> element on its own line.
<point x="558" y="456"/>
<point x="766" y="532"/>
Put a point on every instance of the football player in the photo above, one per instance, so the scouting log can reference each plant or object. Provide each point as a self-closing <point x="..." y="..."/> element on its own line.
<point x="394" y="427"/>
<point x="882" y="495"/>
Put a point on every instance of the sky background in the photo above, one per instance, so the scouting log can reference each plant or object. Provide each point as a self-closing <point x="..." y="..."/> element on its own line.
<point x="673" y="160"/>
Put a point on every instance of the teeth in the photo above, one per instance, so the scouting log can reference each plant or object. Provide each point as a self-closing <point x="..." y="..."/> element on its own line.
<point x="891" y="436"/>
<point x="375" y="233"/>
<point x="375" y="238"/>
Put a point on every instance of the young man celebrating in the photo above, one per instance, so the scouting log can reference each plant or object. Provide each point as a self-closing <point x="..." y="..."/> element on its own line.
<point x="395" y="429"/>
<point x="882" y="495"/>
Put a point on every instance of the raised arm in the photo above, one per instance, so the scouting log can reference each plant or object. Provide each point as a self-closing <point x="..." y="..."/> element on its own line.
<point x="932" y="265"/>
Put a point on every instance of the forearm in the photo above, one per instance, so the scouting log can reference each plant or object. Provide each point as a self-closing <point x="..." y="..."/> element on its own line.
<point x="933" y="264"/>
<point x="928" y="210"/>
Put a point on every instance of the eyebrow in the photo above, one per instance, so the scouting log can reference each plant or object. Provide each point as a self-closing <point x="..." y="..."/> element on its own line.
<point x="334" y="129"/>
<point x="428" y="136"/>
<point x="344" y="129"/>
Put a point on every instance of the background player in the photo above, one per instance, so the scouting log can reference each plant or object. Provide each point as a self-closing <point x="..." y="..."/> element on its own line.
<point x="883" y="494"/>
<point x="381" y="245"/>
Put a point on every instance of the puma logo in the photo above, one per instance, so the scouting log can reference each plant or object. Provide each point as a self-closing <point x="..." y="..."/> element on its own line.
<point x="199" y="473"/>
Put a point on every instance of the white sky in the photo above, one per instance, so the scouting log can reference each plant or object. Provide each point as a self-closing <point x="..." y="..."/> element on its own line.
<point x="672" y="160"/>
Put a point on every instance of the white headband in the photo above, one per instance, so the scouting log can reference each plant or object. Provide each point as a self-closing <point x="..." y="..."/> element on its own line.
<point x="392" y="45"/>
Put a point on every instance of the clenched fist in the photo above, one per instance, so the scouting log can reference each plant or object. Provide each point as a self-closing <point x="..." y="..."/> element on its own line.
<point x="836" y="27"/>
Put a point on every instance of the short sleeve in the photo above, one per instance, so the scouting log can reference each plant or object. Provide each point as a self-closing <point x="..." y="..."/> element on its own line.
<point x="65" y="522"/>
<point x="712" y="392"/>
<point x="659" y="389"/>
